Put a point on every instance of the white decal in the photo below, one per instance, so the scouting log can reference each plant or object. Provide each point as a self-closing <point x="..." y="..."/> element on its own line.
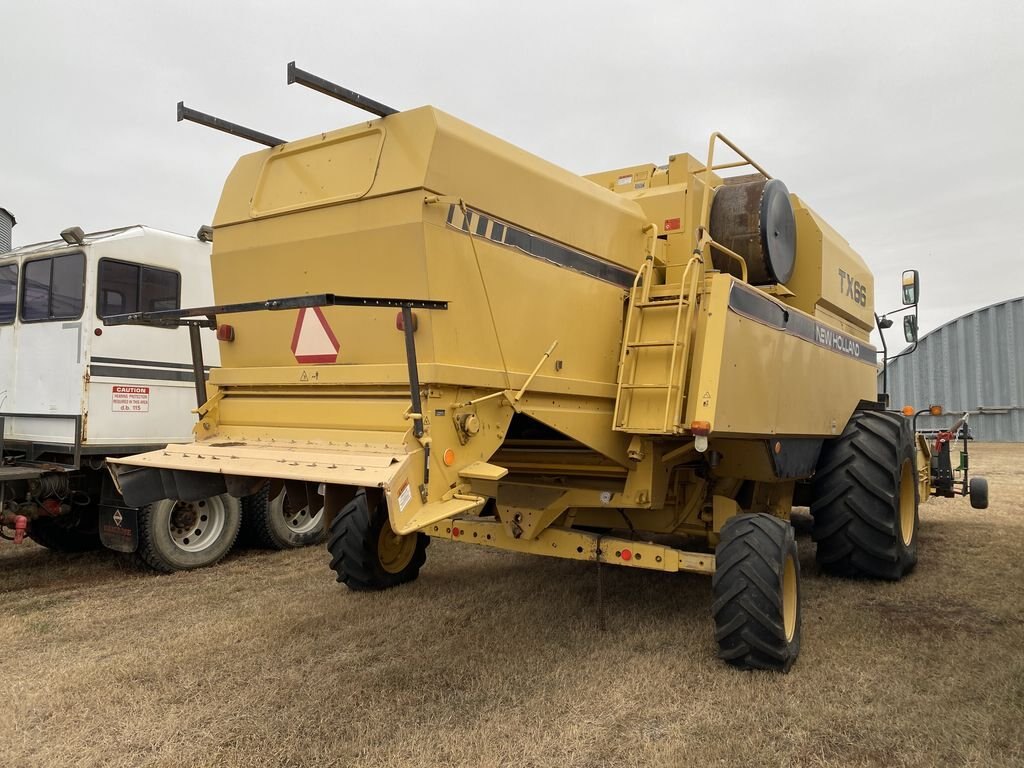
<point x="829" y="338"/>
<point x="129" y="399"/>
<point x="404" y="497"/>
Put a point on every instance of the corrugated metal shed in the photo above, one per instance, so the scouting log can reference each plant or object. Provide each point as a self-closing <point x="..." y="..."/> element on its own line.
<point x="974" y="363"/>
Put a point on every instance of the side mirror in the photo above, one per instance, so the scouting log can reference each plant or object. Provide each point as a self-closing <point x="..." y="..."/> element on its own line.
<point x="910" y="287"/>
<point x="910" y="328"/>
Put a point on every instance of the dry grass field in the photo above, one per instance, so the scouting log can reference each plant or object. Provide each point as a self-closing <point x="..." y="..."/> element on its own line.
<point x="492" y="659"/>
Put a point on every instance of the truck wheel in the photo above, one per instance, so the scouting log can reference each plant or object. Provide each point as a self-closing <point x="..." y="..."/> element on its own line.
<point x="866" y="498"/>
<point x="67" y="533"/>
<point x="979" y="493"/>
<point x="365" y="553"/>
<point x="756" y="589"/>
<point x="181" y="535"/>
<point x="277" y="524"/>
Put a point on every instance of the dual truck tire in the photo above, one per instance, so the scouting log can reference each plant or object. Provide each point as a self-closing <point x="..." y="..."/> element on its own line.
<point x="178" y="535"/>
<point x="865" y="511"/>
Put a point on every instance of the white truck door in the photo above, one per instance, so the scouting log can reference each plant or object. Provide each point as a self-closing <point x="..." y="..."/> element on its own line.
<point x="48" y="376"/>
<point x="141" y="385"/>
<point x="8" y="312"/>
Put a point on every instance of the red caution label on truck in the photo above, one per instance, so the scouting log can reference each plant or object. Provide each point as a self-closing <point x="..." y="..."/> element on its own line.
<point x="129" y="399"/>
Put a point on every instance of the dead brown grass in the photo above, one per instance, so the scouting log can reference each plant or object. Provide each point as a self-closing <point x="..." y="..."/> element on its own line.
<point x="491" y="659"/>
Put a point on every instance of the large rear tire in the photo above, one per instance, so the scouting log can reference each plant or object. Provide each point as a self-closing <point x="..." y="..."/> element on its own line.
<point x="756" y="590"/>
<point x="276" y="523"/>
<point x="365" y="553"/>
<point x="182" y="535"/>
<point x="865" y="505"/>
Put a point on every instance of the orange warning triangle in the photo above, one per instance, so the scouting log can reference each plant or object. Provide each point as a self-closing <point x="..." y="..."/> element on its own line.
<point x="313" y="340"/>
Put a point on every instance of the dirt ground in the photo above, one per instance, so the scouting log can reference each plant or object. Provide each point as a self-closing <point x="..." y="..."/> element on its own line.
<point x="491" y="659"/>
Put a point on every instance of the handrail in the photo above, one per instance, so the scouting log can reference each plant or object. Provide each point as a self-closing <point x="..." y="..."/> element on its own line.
<point x="703" y="233"/>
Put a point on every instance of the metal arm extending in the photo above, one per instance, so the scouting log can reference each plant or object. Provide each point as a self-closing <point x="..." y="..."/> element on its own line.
<point x="197" y="318"/>
<point x="172" y="318"/>
<point x="296" y="75"/>
<point x="194" y="116"/>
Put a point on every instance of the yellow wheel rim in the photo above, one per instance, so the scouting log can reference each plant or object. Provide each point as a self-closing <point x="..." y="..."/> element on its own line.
<point x="790" y="598"/>
<point x="394" y="552"/>
<point x="907" y="510"/>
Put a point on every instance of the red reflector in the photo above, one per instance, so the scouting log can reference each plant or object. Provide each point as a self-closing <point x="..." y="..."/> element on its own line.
<point x="98" y="331"/>
<point x="225" y="333"/>
<point x="671" y="224"/>
<point x="456" y="532"/>
<point x="400" y="322"/>
<point x="627" y="555"/>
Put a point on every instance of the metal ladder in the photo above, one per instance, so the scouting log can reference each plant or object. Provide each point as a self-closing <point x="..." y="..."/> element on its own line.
<point x="640" y="303"/>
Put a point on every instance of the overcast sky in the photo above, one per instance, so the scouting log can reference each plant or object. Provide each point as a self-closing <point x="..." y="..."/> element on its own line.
<point x="900" y="122"/>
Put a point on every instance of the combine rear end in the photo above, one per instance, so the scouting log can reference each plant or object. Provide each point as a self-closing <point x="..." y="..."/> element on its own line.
<point x="441" y="335"/>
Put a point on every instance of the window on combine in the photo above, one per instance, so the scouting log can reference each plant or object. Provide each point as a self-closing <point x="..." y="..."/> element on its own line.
<point x="8" y="293"/>
<point x="127" y="287"/>
<point x="53" y="288"/>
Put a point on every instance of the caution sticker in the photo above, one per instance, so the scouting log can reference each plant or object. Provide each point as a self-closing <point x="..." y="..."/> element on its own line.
<point x="129" y="399"/>
<point x="404" y="497"/>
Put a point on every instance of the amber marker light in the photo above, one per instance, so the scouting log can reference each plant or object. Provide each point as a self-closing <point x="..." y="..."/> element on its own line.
<point x="700" y="430"/>
<point x="449" y="457"/>
<point x="908" y="410"/>
<point x="935" y="410"/>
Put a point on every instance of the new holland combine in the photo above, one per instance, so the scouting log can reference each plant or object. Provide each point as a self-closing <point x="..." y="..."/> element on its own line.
<point x="442" y="335"/>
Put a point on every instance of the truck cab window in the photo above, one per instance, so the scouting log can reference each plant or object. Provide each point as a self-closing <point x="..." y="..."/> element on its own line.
<point x="125" y="287"/>
<point x="8" y="293"/>
<point x="53" y="288"/>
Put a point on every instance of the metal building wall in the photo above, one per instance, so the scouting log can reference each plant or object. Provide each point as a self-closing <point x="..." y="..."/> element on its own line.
<point x="6" y="225"/>
<point x="974" y="363"/>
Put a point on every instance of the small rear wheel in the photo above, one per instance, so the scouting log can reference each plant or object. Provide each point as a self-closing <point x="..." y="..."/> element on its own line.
<point x="182" y="535"/>
<point x="979" y="493"/>
<point x="756" y="590"/>
<point x="366" y="553"/>
<point x="276" y="522"/>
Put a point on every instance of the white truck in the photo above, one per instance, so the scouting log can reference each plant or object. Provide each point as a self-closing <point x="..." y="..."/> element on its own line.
<point x="74" y="392"/>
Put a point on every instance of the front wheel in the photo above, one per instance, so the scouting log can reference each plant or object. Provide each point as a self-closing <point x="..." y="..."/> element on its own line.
<point x="865" y="505"/>
<point x="756" y="589"/>
<point x="979" y="493"/>
<point x="182" y="535"/>
<point x="366" y="554"/>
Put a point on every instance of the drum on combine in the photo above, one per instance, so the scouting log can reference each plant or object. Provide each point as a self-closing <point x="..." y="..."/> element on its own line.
<point x="449" y="337"/>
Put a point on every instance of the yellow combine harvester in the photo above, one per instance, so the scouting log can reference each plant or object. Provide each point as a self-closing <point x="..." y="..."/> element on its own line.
<point x="641" y="367"/>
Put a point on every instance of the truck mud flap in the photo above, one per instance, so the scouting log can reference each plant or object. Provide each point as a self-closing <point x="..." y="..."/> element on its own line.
<point x="119" y="529"/>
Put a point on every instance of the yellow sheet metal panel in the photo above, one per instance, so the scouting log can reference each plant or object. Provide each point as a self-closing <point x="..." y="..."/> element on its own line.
<point x="809" y="377"/>
<point x="306" y="172"/>
<point x="625" y="179"/>
<point x="502" y="179"/>
<point x="829" y="274"/>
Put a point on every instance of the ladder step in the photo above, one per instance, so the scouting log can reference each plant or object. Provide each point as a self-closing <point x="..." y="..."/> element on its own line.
<point x="633" y="344"/>
<point x="650" y="386"/>
<point x="672" y="301"/>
